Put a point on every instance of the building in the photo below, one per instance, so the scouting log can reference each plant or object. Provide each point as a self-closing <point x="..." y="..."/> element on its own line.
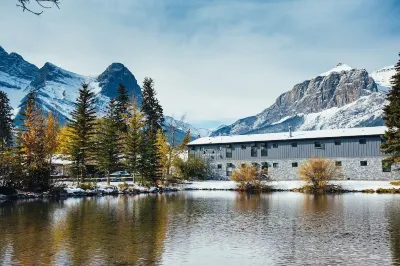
<point x="357" y="150"/>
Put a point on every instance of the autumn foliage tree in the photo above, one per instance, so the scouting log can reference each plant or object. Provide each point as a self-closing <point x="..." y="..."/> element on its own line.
<point x="317" y="172"/>
<point x="34" y="146"/>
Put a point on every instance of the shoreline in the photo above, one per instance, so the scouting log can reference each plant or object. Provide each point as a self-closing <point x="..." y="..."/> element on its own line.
<point x="345" y="186"/>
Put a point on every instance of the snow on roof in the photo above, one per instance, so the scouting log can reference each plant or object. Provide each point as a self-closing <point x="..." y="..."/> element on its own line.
<point x="315" y="134"/>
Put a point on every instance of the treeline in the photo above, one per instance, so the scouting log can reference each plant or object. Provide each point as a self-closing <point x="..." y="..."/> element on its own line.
<point x="128" y="136"/>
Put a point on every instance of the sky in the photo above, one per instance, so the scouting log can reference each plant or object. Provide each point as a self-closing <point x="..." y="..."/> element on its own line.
<point x="214" y="60"/>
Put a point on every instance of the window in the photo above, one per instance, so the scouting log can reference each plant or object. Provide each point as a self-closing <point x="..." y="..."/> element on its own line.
<point x="193" y="148"/>
<point x="338" y="142"/>
<point x="386" y="166"/>
<point x="243" y="146"/>
<point x="264" y="150"/>
<point x="295" y="164"/>
<point x="275" y="145"/>
<point x="229" y="169"/>
<point x="254" y="151"/>
<point x="212" y="157"/>
<point x="318" y="145"/>
<point x="201" y="148"/>
<point x="294" y="144"/>
<point x="219" y="166"/>
<point x="264" y="165"/>
<point x="338" y="163"/>
<point x="228" y="151"/>
<point x="362" y="141"/>
<point x="275" y="165"/>
<point x="363" y="163"/>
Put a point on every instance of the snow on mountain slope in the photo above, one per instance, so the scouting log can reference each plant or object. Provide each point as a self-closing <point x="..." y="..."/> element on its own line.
<point x="383" y="77"/>
<point x="337" y="69"/>
<point x="342" y="97"/>
<point x="184" y="127"/>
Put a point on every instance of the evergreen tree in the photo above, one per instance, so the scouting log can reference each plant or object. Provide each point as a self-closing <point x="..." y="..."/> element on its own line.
<point x="133" y="139"/>
<point x="154" y="120"/>
<point x="151" y="108"/>
<point x="6" y="122"/>
<point x="122" y="104"/>
<point x="109" y="141"/>
<point x="82" y="128"/>
<point x="34" y="148"/>
<point x="391" y="145"/>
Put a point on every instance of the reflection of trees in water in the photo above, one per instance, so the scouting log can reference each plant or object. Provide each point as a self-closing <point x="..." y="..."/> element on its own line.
<point x="247" y="201"/>
<point x="107" y="230"/>
<point x="393" y="218"/>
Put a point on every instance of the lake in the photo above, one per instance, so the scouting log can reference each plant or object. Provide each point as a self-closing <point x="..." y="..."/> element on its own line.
<point x="203" y="228"/>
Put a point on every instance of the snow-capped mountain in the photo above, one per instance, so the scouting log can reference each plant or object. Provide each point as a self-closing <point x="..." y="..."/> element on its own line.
<point x="57" y="88"/>
<point x="339" y="98"/>
<point x="184" y="127"/>
<point x="383" y="77"/>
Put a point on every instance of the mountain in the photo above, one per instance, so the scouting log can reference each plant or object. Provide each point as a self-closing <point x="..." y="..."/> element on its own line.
<point x="184" y="127"/>
<point x="339" y="98"/>
<point x="57" y="88"/>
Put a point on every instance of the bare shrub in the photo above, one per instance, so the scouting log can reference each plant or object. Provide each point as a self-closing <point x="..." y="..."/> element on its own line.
<point x="317" y="172"/>
<point x="248" y="177"/>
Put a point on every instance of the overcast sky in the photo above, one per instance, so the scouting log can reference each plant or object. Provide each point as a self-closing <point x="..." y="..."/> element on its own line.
<point x="215" y="60"/>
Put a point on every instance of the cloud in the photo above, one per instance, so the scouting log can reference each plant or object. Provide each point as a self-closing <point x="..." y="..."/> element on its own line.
<point x="215" y="60"/>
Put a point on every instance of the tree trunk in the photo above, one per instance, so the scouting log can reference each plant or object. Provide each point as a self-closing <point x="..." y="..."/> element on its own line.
<point x="108" y="178"/>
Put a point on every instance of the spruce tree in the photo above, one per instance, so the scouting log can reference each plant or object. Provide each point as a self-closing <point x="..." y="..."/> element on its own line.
<point x="6" y="122"/>
<point x="108" y="150"/>
<point x="151" y="108"/>
<point x="122" y="104"/>
<point x="391" y="117"/>
<point x="154" y="120"/>
<point x="82" y="125"/>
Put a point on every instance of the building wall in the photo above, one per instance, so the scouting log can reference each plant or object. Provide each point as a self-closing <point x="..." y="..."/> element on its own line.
<point x="350" y="153"/>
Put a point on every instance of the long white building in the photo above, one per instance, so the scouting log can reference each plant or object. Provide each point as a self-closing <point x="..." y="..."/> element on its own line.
<point x="356" y="150"/>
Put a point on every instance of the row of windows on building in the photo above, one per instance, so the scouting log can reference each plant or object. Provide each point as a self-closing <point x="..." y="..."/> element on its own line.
<point x="264" y="148"/>
<point x="386" y="166"/>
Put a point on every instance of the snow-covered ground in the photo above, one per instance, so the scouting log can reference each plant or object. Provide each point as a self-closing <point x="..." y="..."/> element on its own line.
<point x="347" y="184"/>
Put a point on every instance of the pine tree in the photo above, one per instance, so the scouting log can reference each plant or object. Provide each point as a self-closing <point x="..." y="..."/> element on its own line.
<point x="391" y="145"/>
<point x="151" y="108"/>
<point x="6" y="122"/>
<point x="109" y="149"/>
<point x="34" y="146"/>
<point x="82" y="124"/>
<point x="122" y="104"/>
<point x="133" y="139"/>
<point x="154" y="120"/>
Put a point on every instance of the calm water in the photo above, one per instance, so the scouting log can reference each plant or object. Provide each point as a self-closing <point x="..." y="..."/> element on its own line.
<point x="203" y="228"/>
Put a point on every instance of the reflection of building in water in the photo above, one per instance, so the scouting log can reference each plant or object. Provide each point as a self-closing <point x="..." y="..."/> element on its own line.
<point x="356" y="150"/>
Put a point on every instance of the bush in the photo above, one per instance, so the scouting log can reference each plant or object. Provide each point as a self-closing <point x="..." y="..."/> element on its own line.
<point x="248" y="177"/>
<point x="317" y="172"/>
<point x="194" y="167"/>
<point x="395" y="183"/>
<point x="86" y="186"/>
<point x="123" y="186"/>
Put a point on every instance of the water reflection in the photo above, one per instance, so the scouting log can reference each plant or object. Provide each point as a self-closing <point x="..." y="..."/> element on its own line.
<point x="202" y="228"/>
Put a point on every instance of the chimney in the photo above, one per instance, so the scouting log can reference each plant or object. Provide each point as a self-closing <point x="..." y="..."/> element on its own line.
<point x="290" y="131"/>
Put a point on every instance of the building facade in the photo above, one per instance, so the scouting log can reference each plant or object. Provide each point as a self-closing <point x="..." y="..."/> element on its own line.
<point x="356" y="150"/>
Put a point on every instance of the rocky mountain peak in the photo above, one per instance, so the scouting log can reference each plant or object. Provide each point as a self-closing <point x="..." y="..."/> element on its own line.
<point x="14" y="65"/>
<point x="117" y="74"/>
<point x="337" y="69"/>
<point x="50" y="72"/>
